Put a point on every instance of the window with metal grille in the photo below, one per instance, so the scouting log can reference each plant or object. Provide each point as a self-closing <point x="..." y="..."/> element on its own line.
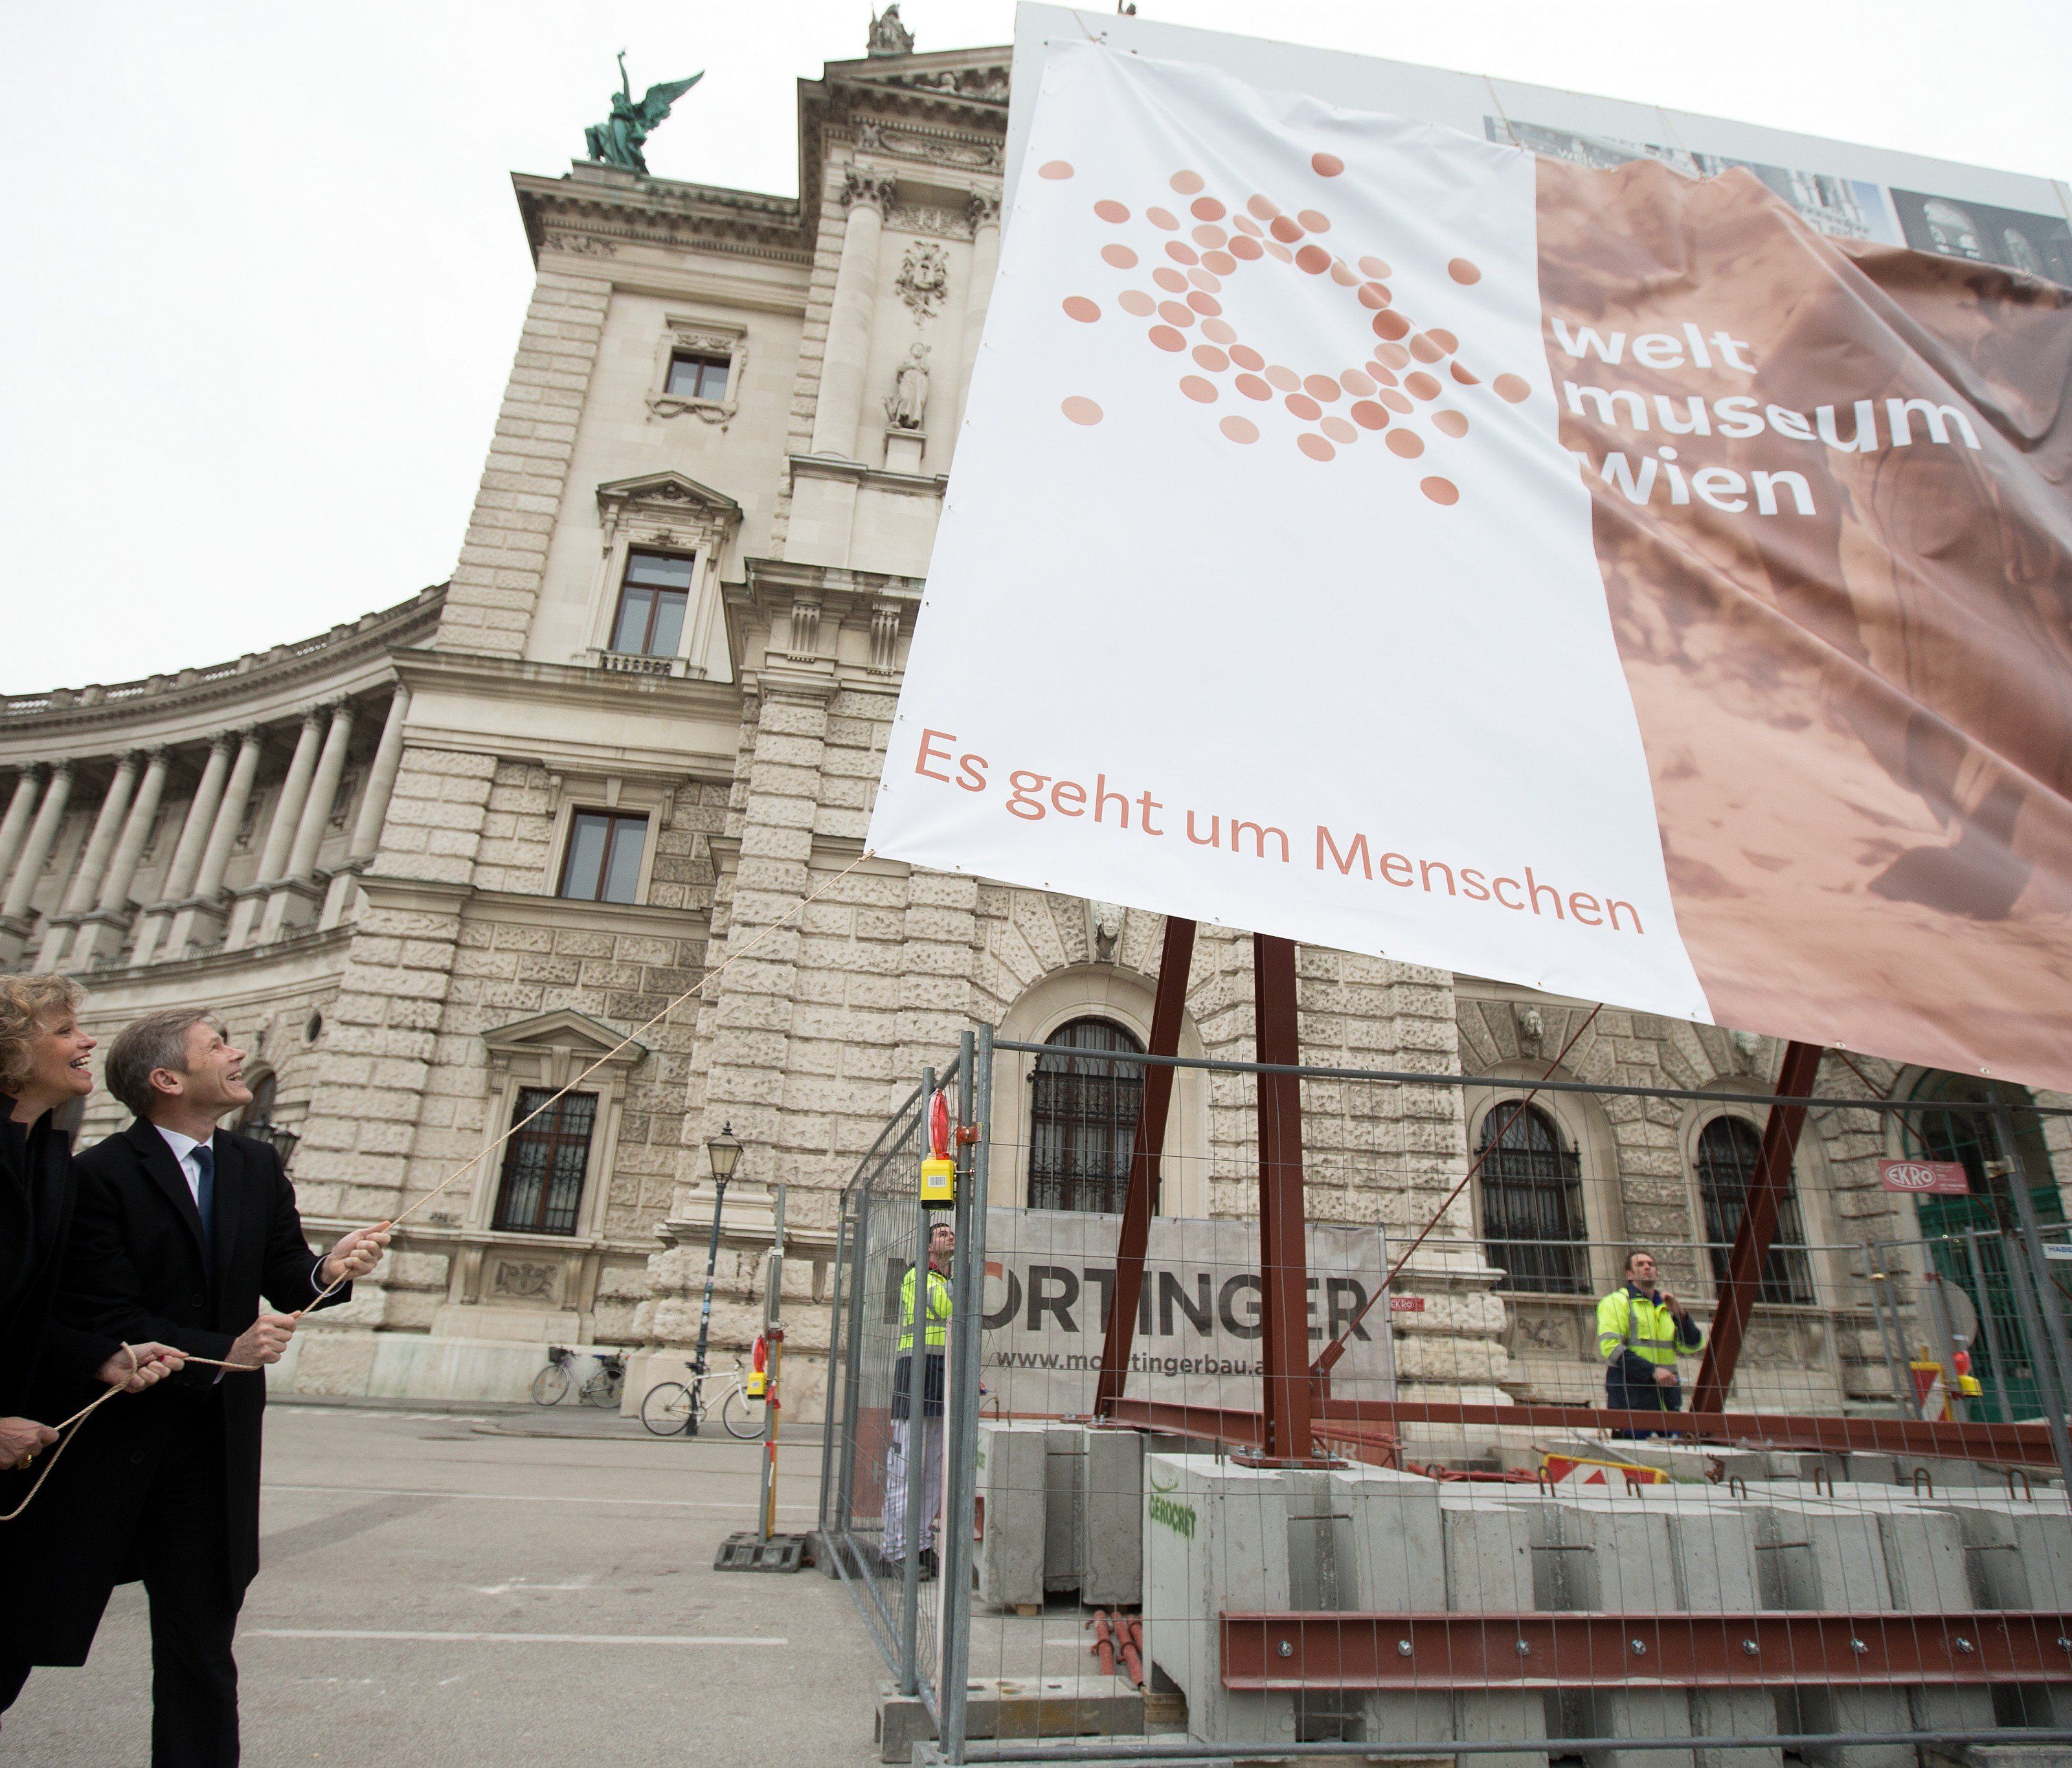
<point x="1728" y="1150"/>
<point x="698" y="377"/>
<point x="1083" y="1118"/>
<point x="1532" y="1202"/>
<point x="652" y="596"/>
<point x="603" y="864"/>
<point x="541" y="1189"/>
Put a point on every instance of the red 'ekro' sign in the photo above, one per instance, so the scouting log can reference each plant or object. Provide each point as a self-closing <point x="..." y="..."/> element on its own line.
<point x="1924" y="1177"/>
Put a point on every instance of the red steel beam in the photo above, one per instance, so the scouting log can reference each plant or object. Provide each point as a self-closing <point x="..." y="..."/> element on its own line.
<point x="1423" y="1651"/>
<point x="1147" y="1150"/>
<point x="2024" y="1444"/>
<point x="2029" y="1444"/>
<point x="1283" y="1315"/>
<point x="1772" y="1181"/>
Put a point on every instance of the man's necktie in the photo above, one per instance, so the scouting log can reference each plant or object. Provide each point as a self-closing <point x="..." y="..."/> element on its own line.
<point x="204" y="1160"/>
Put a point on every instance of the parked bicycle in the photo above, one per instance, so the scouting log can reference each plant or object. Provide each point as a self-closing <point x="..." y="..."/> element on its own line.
<point x="602" y="1388"/>
<point x="671" y="1406"/>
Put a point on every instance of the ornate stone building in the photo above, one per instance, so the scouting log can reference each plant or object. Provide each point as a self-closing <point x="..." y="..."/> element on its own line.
<point x="433" y="865"/>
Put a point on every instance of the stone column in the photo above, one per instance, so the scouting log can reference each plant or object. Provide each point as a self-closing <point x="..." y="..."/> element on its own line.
<point x="99" y="937"/>
<point x="296" y="897"/>
<point x="21" y="812"/>
<point x="984" y="208"/>
<point x="186" y="854"/>
<point x="280" y="832"/>
<point x="92" y="863"/>
<point x="380" y="781"/>
<point x="16" y="916"/>
<point x="343" y="888"/>
<point x="198" y="919"/>
<point x="843" y="369"/>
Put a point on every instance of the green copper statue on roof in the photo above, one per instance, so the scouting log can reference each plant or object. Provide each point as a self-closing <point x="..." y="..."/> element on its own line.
<point x="616" y="140"/>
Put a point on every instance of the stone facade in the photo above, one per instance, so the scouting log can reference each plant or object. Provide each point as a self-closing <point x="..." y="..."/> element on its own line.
<point x="380" y="889"/>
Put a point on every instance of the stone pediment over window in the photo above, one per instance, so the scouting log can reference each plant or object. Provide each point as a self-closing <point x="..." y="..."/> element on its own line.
<point x="664" y="499"/>
<point x="552" y="1049"/>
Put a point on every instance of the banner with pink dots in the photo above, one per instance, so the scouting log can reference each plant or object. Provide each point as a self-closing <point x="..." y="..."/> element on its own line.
<point x="1372" y="534"/>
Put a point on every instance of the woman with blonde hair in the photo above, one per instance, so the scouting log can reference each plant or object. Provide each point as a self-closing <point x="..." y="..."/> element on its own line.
<point x="44" y="1067"/>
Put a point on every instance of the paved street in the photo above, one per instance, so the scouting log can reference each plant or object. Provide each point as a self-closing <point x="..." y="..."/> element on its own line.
<point x="433" y="1593"/>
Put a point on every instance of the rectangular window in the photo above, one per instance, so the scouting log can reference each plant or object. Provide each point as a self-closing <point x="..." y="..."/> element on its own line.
<point x="541" y="1190"/>
<point x="652" y="600"/>
<point x="698" y="377"/>
<point x="603" y="864"/>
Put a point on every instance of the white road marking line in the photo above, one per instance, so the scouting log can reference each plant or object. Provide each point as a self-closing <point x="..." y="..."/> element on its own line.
<point x="507" y="1639"/>
<point x="532" y="1498"/>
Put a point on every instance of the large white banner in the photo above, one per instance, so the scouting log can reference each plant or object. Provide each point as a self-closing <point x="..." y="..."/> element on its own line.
<point x="1644" y="575"/>
<point x="1225" y="617"/>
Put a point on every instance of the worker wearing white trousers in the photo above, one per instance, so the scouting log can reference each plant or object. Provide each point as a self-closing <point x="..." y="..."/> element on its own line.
<point x="927" y="1440"/>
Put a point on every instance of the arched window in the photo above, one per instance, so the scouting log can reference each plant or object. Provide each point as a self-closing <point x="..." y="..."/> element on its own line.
<point x="1951" y="231"/>
<point x="1083" y="1118"/>
<point x="1728" y="1148"/>
<point x="257" y="1118"/>
<point x="1532" y="1202"/>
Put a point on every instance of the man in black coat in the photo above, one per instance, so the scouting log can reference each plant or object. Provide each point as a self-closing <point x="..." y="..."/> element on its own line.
<point x="179" y="1230"/>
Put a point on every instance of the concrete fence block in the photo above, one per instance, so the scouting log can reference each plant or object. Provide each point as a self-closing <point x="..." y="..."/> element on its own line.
<point x="1715" y="1546"/>
<point x="1111" y="1549"/>
<point x="1064" y="1483"/>
<point x="1215" y="1539"/>
<point x="1925" y="1564"/>
<point x="1829" y="1555"/>
<point x="1009" y="1469"/>
<point x="1615" y="1556"/>
<point x="1489" y="1569"/>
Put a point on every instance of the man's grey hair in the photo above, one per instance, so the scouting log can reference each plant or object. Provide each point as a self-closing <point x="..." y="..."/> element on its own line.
<point x="159" y="1040"/>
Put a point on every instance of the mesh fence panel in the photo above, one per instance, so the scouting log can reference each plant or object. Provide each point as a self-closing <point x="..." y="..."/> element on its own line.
<point x="1864" y="1552"/>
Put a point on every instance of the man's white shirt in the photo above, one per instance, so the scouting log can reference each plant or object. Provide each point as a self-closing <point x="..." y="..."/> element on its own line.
<point x="183" y="1148"/>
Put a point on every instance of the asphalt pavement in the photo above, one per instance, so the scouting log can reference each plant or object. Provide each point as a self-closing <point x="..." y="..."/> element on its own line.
<point x="507" y="1588"/>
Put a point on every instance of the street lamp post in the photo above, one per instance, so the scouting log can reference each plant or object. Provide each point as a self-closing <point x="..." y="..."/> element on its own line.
<point x="723" y="1151"/>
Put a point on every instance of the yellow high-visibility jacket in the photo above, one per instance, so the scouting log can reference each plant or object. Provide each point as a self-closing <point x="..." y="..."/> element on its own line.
<point x="1630" y="1322"/>
<point x="935" y="1335"/>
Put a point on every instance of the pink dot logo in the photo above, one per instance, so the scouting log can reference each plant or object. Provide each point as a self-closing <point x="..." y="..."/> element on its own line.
<point x="1414" y="395"/>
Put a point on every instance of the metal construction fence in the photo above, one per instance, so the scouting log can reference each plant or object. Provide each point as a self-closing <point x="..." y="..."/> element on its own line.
<point x="1836" y="1531"/>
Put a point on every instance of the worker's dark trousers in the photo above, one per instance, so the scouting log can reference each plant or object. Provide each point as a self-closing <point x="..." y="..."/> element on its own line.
<point x="1622" y="1395"/>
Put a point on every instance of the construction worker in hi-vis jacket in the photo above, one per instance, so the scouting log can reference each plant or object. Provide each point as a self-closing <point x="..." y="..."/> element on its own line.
<point x="932" y="1307"/>
<point x="1641" y="1329"/>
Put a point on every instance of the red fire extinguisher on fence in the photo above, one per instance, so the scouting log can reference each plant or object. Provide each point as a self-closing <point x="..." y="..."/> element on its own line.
<point x="758" y="1376"/>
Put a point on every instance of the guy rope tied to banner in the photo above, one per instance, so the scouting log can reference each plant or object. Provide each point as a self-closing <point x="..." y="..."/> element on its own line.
<point x="70" y="1427"/>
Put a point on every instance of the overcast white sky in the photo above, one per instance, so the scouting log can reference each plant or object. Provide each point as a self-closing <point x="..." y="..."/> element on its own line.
<point x="266" y="273"/>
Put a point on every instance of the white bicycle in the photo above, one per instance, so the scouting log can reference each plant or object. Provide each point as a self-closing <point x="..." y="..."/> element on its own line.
<point x="671" y="1406"/>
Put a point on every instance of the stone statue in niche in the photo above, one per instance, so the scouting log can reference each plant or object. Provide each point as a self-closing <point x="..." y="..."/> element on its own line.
<point x="924" y="279"/>
<point x="906" y="405"/>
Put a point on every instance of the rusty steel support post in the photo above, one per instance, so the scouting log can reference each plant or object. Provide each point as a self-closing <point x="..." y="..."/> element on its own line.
<point x="1284" y="1313"/>
<point x="1751" y="1241"/>
<point x="1146" y="1152"/>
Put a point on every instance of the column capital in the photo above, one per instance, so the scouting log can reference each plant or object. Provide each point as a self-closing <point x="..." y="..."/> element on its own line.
<point x="983" y="208"/>
<point x="220" y="742"/>
<point x="875" y="188"/>
<point x="62" y="768"/>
